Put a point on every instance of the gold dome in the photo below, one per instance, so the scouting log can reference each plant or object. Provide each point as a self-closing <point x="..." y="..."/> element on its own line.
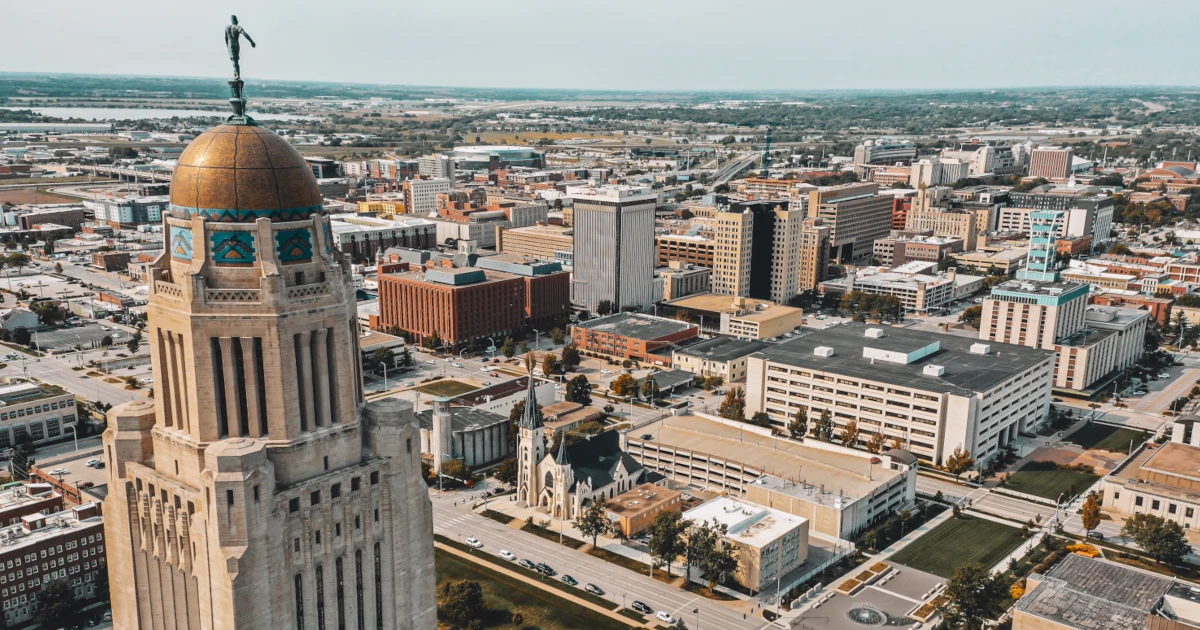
<point x="239" y="173"/>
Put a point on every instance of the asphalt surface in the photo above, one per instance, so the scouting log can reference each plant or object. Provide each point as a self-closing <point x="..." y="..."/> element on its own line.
<point x="458" y="522"/>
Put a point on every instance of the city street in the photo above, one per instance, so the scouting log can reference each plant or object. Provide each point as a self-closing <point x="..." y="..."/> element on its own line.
<point x="458" y="522"/>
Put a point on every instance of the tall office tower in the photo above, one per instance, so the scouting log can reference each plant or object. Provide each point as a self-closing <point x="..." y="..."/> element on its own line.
<point x="758" y="249"/>
<point x="437" y="166"/>
<point x="814" y="254"/>
<point x="856" y="215"/>
<point x="614" y="246"/>
<point x="258" y="489"/>
<point x="1050" y="162"/>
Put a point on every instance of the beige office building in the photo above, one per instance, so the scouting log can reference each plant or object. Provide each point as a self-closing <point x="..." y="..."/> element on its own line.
<point x="258" y="489"/>
<point x="769" y="543"/>
<point x="814" y="254"/>
<point x="856" y="215"/>
<point x="758" y="250"/>
<point x="541" y="242"/>
<point x="945" y="222"/>
<point x="1050" y="162"/>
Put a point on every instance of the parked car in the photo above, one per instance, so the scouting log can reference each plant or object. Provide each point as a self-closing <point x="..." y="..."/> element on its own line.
<point x="546" y="569"/>
<point x="507" y="555"/>
<point x="528" y="564"/>
<point x="474" y="542"/>
<point x="92" y="462"/>
<point x="665" y="617"/>
<point x="642" y="608"/>
<point x="1096" y="535"/>
<point x="593" y="589"/>
<point x="569" y="580"/>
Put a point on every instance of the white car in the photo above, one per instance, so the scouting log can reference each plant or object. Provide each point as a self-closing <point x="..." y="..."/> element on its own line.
<point x="58" y="471"/>
<point x="474" y="542"/>
<point x="665" y="617"/>
<point x="92" y="462"/>
<point x="485" y="369"/>
<point x="457" y="365"/>
<point x="508" y="555"/>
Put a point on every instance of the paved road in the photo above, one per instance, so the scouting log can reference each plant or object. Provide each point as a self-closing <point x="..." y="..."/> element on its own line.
<point x="459" y="522"/>
<point x="57" y="371"/>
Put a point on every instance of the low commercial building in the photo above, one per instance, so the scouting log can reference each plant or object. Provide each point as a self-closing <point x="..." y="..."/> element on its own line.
<point x="684" y="279"/>
<point x="840" y="490"/>
<point x="1162" y="480"/>
<point x="917" y="290"/>
<point x="721" y="356"/>
<point x="1081" y="593"/>
<point x="902" y="247"/>
<point x="566" y="416"/>
<point x="630" y="336"/>
<point x="361" y="236"/>
<point x="43" y="548"/>
<point x="769" y="543"/>
<point x="634" y="510"/>
<point x="22" y="500"/>
<point x="742" y="317"/>
<point x="38" y="411"/>
<point x="1003" y="260"/>
<point x="932" y="393"/>
<point x="111" y="261"/>
<point x="1159" y="307"/>
<point x="1117" y="281"/>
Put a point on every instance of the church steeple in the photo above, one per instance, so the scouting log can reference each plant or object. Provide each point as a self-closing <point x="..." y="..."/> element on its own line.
<point x="562" y="458"/>
<point x="532" y="418"/>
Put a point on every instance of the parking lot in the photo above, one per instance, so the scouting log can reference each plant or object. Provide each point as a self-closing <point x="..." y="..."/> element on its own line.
<point x="85" y="337"/>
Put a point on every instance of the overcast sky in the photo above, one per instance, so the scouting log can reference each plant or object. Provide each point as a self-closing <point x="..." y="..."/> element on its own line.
<point x="621" y="44"/>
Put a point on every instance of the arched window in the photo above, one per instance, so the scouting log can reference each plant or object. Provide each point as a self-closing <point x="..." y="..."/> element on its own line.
<point x="549" y="479"/>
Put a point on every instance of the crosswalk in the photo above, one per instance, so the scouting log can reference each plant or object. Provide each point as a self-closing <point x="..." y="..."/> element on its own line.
<point x="449" y="524"/>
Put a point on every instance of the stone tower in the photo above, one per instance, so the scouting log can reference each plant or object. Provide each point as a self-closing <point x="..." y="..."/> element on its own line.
<point x="259" y="489"/>
<point x="531" y="448"/>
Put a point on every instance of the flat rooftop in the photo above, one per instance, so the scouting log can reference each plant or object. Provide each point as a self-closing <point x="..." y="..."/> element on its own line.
<point x="723" y="349"/>
<point x="965" y="373"/>
<point x="1091" y="594"/>
<point x="842" y="475"/>
<point x="463" y="419"/>
<point x="636" y="326"/>
<point x="637" y="500"/>
<point x="749" y="524"/>
<point x="715" y="303"/>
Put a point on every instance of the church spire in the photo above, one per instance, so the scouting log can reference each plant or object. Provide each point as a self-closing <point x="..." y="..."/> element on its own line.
<point x="562" y="458"/>
<point x="532" y="418"/>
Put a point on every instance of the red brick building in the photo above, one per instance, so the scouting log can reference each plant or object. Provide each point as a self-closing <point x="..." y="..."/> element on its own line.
<point x="499" y="296"/>
<point x="1074" y="245"/>
<point x="45" y="548"/>
<point x="1159" y="307"/>
<point x="111" y="261"/>
<point x="630" y="335"/>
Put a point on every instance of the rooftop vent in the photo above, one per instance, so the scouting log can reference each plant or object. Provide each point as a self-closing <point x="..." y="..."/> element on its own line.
<point x="933" y="370"/>
<point x="823" y="351"/>
<point x="874" y="333"/>
<point x="981" y="348"/>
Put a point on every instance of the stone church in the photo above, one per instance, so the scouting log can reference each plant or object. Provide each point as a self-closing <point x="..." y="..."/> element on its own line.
<point x="258" y="489"/>
<point x="560" y="483"/>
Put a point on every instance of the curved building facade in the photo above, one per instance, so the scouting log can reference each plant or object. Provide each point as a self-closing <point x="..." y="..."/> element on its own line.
<point x="491" y="157"/>
<point x="258" y="489"/>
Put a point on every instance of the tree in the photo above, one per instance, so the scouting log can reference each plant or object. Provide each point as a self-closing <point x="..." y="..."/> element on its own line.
<point x="461" y="600"/>
<point x="21" y="337"/>
<point x="972" y="316"/>
<point x="1119" y="249"/>
<point x="508" y="348"/>
<point x="605" y="307"/>
<point x="760" y="419"/>
<point x="625" y="385"/>
<point x="569" y="357"/>
<point x="58" y="267"/>
<point x="379" y="358"/>
<point x="850" y="434"/>
<point x="506" y="472"/>
<point x="1161" y="539"/>
<point x="593" y="520"/>
<point x="798" y="427"/>
<point x="557" y="336"/>
<point x="974" y="597"/>
<point x="734" y="405"/>
<point x="823" y="429"/>
<point x="579" y="390"/>
<point x="959" y="462"/>
<point x="17" y="260"/>
<point x="870" y="539"/>
<point x="57" y="606"/>
<point x="709" y="551"/>
<point x="875" y="444"/>
<point x="550" y="364"/>
<point x="666" y="538"/>
<point x="650" y="389"/>
<point x="456" y="469"/>
<point x="1091" y="513"/>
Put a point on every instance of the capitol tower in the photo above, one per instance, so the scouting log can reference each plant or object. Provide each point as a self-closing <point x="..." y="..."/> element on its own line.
<point x="259" y="489"/>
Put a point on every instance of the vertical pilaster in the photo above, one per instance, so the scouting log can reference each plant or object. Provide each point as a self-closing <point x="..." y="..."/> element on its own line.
<point x="233" y="388"/>
<point x="306" y="381"/>
<point x="322" y="377"/>
<point x="250" y="362"/>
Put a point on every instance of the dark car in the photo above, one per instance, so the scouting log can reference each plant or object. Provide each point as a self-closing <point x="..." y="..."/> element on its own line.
<point x="593" y="589"/>
<point x="569" y="580"/>
<point x="545" y="569"/>
<point x="642" y="608"/>
<point x="1096" y="535"/>
<point x="526" y="563"/>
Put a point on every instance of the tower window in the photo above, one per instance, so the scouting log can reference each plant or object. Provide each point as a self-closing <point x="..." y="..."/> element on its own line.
<point x="296" y="545"/>
<point x="315" y="497"/>
<point x="229" y="497"/>
<point x="256" y="494"/>
<point x="375" y="477"/>
<point x="326" y="461"/>
<point x="293" y="505"/>
<point x="355" y="484"/>
<point x="317" y="536"/>
<point x="337" y="530"/>
<point x="335" y="490"/>
<point x="407" y="445"/>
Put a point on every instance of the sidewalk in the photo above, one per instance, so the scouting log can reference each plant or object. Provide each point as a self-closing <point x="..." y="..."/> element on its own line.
<point x="553" y="591"/>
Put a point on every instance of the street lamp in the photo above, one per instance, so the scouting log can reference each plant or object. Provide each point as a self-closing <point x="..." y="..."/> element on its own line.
<point x="537" y="338"/>
<point x="385" y="383"/>
<point x="74" y="434"/>
<point x="491" y="348"/>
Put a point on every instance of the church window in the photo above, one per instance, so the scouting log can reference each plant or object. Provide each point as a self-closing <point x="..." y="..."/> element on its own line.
<point x="549" y="479"/>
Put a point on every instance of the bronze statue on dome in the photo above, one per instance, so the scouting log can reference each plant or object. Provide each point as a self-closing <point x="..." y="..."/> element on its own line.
<point x="232" y="33"/>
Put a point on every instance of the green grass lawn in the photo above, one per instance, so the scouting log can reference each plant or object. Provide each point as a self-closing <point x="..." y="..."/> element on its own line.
<point x="1106" y="438"/>
<point x="445" y="387"/>
<point x="1038" y="479"/>
<point x="959" y="542"/>
<point x="503" y="595"/>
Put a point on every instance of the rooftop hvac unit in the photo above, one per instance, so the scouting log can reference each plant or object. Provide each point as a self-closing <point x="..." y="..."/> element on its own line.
<point x="874" y="333"/>
<point x="823" y="351"/>
<point x="934" y="370"/>
<point x="981" y="348"/>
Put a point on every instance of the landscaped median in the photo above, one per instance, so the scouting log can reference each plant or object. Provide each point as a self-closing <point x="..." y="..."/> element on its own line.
<point x="959" y="542"/>
<point x="574" y="608"/>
